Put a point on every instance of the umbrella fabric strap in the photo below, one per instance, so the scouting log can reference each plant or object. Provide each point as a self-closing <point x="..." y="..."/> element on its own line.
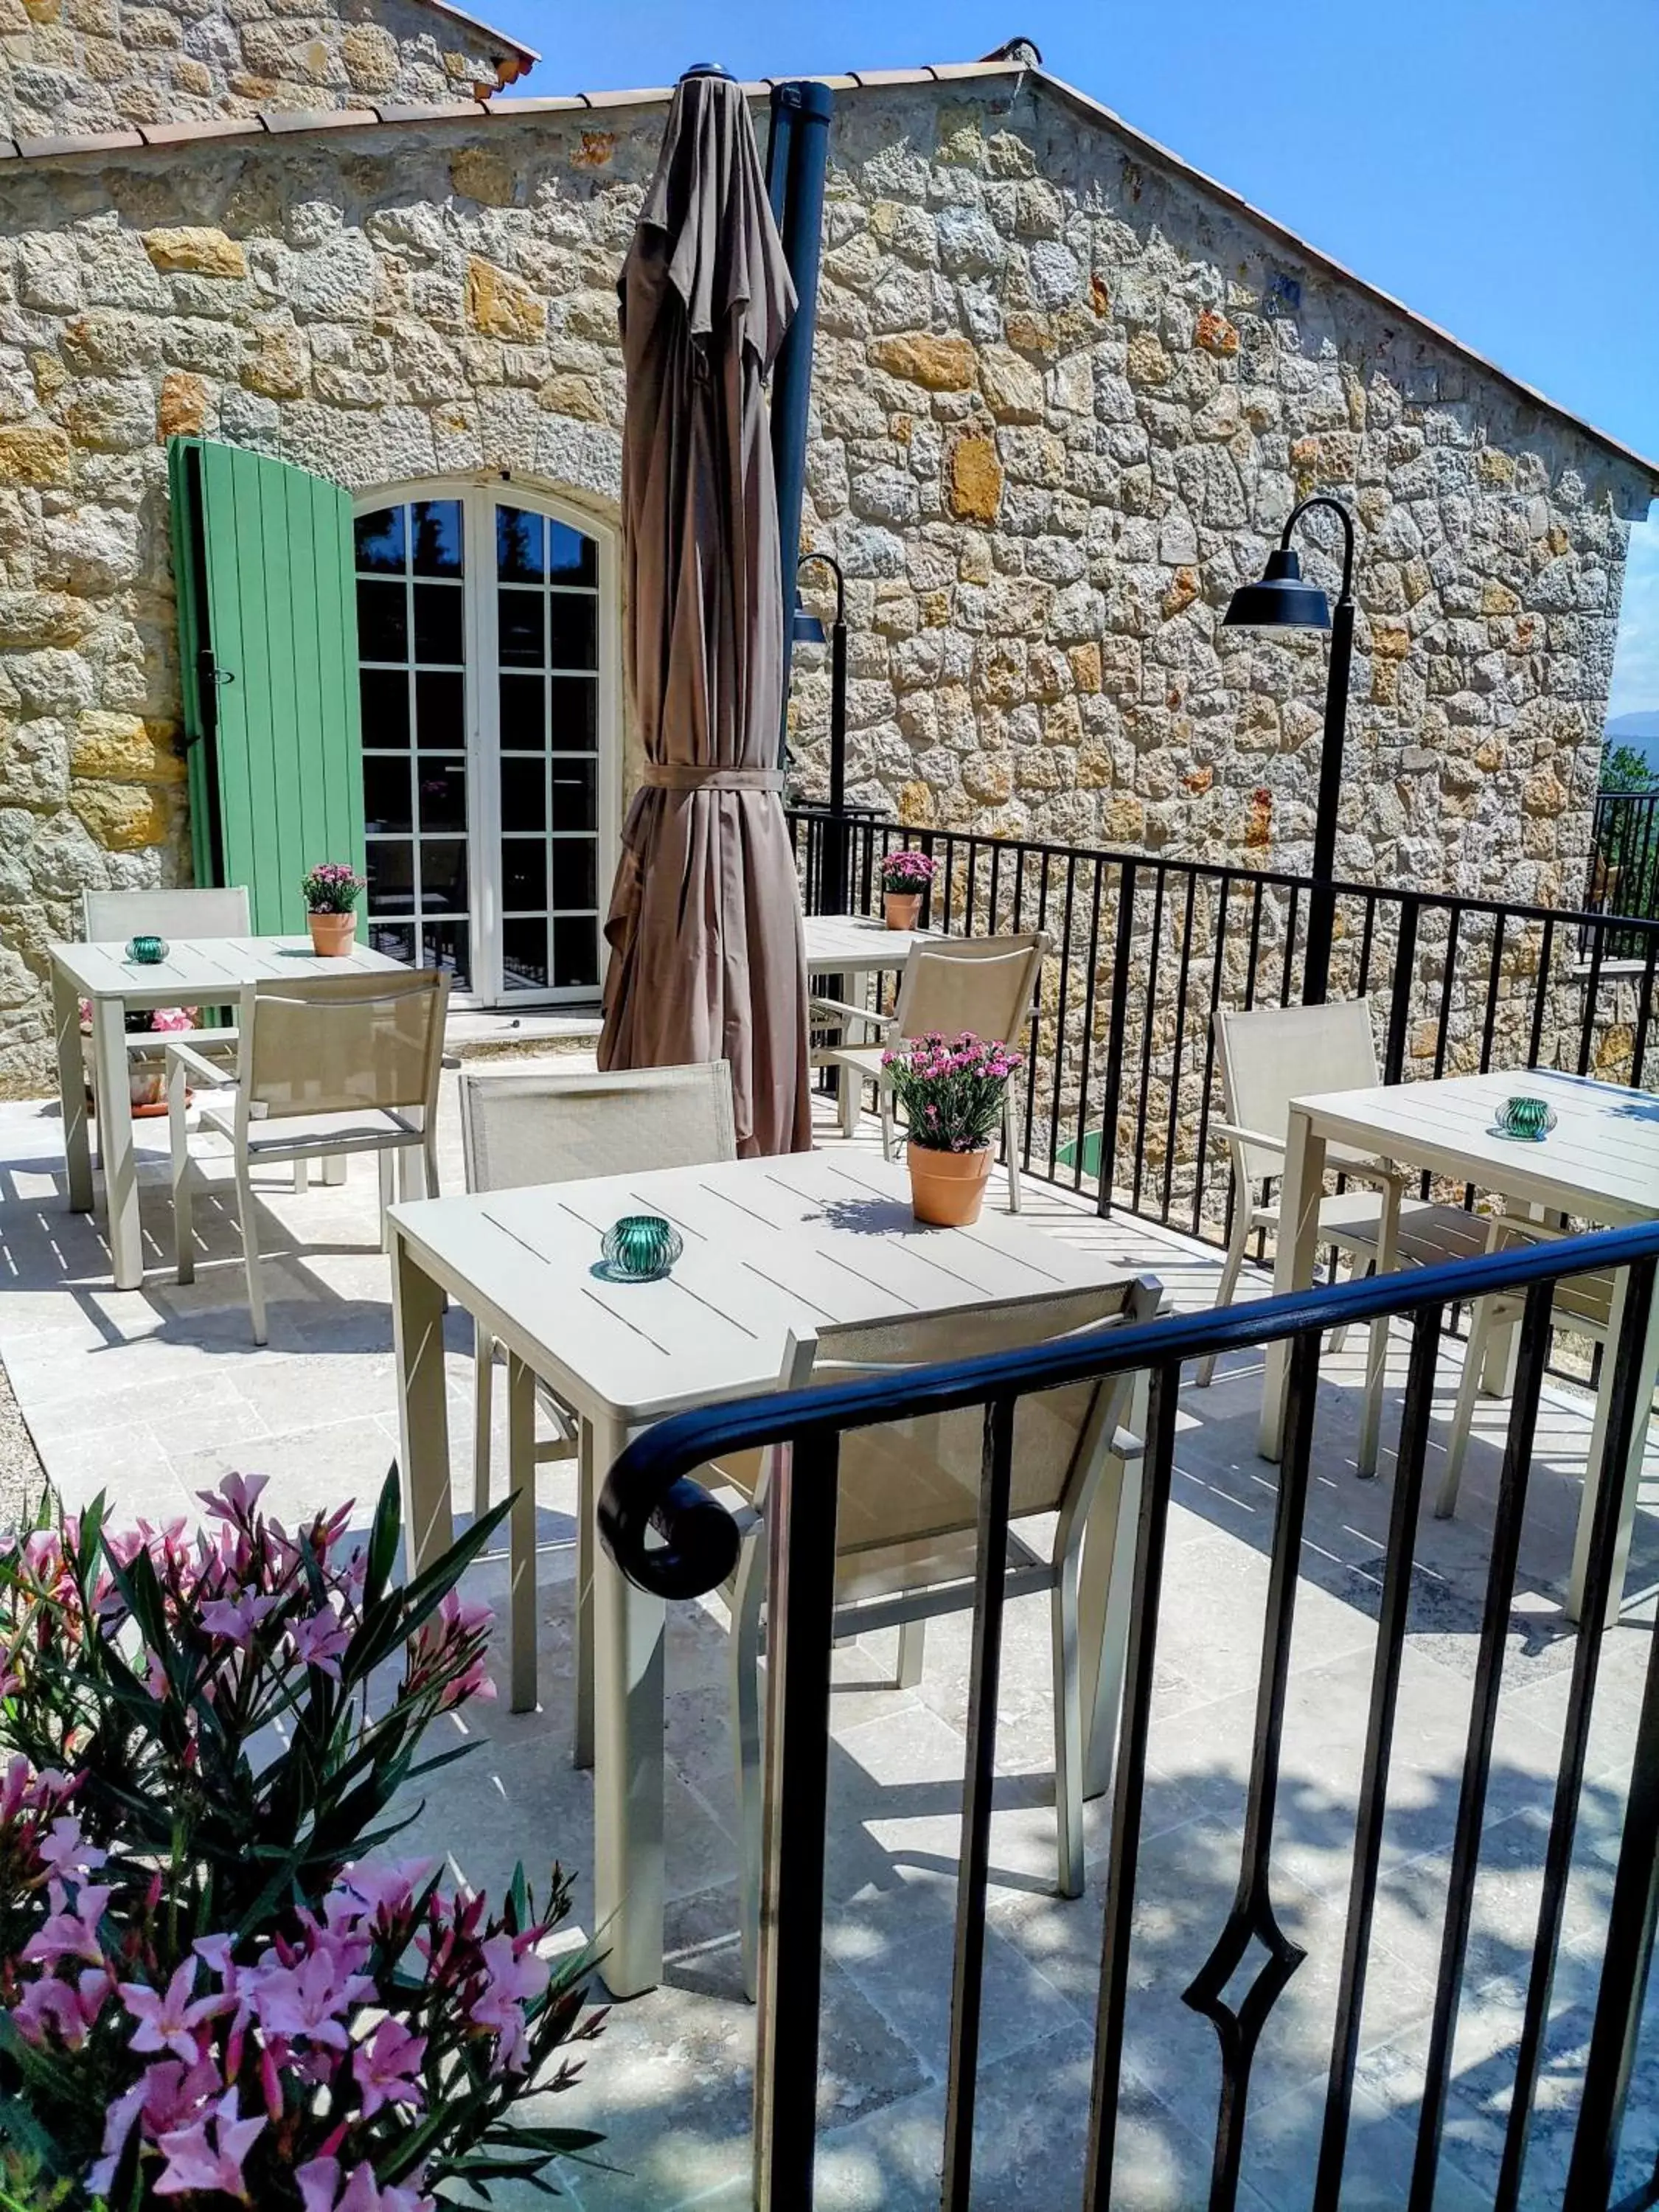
<point x="690" y="775"/>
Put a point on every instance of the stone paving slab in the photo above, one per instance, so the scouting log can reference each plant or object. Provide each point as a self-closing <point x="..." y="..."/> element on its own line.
<point x="156" y="1394"/>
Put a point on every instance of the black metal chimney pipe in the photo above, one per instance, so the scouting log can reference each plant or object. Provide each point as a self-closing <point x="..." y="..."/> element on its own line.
<point x="797" y="158"/>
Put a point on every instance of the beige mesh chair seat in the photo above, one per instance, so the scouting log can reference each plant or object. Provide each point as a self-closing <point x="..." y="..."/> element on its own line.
<point x="1267" y="1058"/>
<point x="906" y="1535"/>
<point x="1582" y="1306"/>
<point x="520" y="1130"/>
<point x="985" y="984"/>
<point x="325" y="1067"/>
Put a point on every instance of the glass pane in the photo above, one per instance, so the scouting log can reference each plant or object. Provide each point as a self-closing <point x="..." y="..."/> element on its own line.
<point x="518" y="558"/>
<point x="443" y="876"/>
<point x="437" y="623"/>
<point x="574" y="873"/>
<point x="575" y="953"/>
<point x="524" y="702"/>
<point x="382" y="622"/>
<point x="575" y="714"/>
<point x="442" y="790"/>
<point x="437" y="537"/>
<point x="571" y="558"/>
<point x="445" y="944"/>
<point x="439" y="712"/>
<point x="574" y="625"/>
<point x="385" y="696"/>
<point x="524" y="795"/>
<point x="524" y="956"/>
<point x="524" y="875"/>
<point x="391" y="868"/>
<point x="574" y="795"/>
<point x="397" y="944"/>
<point x="380" y="539"/>
<point x="520" y="627"/>
<point x="385" y="794"/>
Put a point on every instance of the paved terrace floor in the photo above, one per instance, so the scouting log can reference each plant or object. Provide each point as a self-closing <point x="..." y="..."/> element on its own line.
<point x="156" y="1394"/>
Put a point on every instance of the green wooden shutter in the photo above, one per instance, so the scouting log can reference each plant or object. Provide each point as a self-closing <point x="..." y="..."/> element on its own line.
<point x="263" y="562"/>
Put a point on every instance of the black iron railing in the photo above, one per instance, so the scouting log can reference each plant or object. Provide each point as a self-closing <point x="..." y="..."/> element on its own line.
<point x="1624" y="874"/>
<point x="1121" y="1085"/>
<point x="668" y="1536"/>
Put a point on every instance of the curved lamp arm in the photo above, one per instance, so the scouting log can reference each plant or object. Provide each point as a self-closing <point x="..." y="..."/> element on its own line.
<point x="829" y="561"/>
<point x="1324" y="499"/>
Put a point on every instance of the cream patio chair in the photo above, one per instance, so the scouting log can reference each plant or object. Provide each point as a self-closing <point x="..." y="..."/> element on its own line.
<point x="115" y="917"/>
<point x="1582" y="1306"/>
<point x="518" y="1130"/>
<point x="326" y="1067"/>
<point x="985" y="984"/>
<point x="907" y="1533"/>
<point x="1268" y="1057"/>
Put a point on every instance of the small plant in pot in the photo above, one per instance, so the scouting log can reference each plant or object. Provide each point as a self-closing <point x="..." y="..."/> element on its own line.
<point x="331" y="892"/>
<point x="905" y="878"/>
<point x="146" y="1077"/>
<point x="953" y="1090"/>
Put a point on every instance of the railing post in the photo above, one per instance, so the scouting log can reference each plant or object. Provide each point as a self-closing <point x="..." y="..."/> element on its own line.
<point x="1121" y="955"/>
<point x="1400" y="1006"/>
<point x="801" y="1636"/>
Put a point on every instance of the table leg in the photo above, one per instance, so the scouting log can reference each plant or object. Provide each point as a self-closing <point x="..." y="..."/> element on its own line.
<point x="1650" y="1375"/>
<point x="1377" y="1339"/>
<point x="417" y="1326"/>
<point x="628" y="1763"/>
<point x="72" y="1090"/>
<point x="109" y="1045"/>
<point x="587" y="1540"/>
<point x="1300" y="1192"/>
<point x="521" y="1521"/>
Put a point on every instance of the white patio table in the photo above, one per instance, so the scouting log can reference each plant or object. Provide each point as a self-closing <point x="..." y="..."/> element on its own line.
<point x="855" y="945"/>
<point x="204" y="971"/>
<point x="772" y="1247"/>
<point x="1600" y="1164"/>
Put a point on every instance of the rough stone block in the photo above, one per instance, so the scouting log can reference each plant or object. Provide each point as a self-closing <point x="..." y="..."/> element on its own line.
<point x="195" y="250"/>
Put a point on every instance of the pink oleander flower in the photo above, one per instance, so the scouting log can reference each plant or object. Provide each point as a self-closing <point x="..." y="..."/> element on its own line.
<point x="318" y="1640"/>
<point x="238" y="1618"/>
<point x="165" y="2096"/>
<point x="167" y="2019"/>
<point x="71" y="1932"/>
<point x="70" y="2008"/>
<point x="65" y="1853"/>
<point x="320" y="2191"/>
<point x="386" y="1892"/>
<point x="195" y="2161"/>
<point x="387" y="2067"/>
<point x="513" y="1980"/>
<point x="310" y="1999"/>
<point x="235" y="1498"/>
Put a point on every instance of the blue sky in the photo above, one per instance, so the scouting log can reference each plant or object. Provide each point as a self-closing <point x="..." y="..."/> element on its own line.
<point x="1494" y="163"/>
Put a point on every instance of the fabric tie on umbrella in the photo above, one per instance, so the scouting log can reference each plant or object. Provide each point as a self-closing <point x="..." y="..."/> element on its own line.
<point x="706" y="960"/>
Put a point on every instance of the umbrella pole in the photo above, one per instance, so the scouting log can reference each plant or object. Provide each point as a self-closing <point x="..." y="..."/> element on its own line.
<point x="797" y="157"/>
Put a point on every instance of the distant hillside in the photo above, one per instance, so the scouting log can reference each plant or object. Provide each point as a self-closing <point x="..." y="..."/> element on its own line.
<point x="1639" y="732"/>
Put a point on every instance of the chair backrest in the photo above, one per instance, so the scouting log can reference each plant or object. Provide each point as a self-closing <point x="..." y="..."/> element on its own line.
<point x="910" y="1487"/>
<point x="1276" y="1054"/>
<point x="343" y="1044"/>
<point x="112" y="917"/>
<point x="558" y="1126"/>
<point x="985" y="984"/>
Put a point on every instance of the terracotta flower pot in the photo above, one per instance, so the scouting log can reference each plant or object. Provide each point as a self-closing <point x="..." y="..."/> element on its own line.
<point x="903" y="908"/>
<point x="947" y="1188"/>
<point x="333" y="935"/>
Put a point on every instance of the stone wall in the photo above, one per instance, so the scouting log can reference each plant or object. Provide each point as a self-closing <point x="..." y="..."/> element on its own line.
<point x="1064" y="400"/>
<point x="82" y="66"/>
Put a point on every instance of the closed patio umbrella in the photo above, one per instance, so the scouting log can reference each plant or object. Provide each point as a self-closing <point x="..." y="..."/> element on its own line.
<point x="704" y="926"/>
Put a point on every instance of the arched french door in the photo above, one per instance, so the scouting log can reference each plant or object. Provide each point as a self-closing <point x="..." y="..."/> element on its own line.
<point x="486" y="625"/>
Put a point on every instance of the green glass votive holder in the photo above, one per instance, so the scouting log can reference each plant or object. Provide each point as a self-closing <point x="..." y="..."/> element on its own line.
<point x="147" y="952"/>
<point x="641" y="1247"/>
<point x="1528" y="1121"/>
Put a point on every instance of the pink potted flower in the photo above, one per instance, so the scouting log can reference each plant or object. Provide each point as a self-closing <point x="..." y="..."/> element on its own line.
<point x="331" y="892"/>
<point x="905" y="878"/>
<point x="952" y="1091"/>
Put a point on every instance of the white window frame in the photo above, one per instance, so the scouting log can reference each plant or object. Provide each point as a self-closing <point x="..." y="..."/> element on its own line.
<point x="479" y="495"/>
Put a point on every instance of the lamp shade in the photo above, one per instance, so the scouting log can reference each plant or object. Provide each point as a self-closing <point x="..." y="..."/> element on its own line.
<point x="808" y="629"/>
<point x="1280" y="601"/>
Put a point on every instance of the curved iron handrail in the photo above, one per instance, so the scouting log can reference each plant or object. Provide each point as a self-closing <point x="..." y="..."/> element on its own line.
<point x="651" y="1488"/>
